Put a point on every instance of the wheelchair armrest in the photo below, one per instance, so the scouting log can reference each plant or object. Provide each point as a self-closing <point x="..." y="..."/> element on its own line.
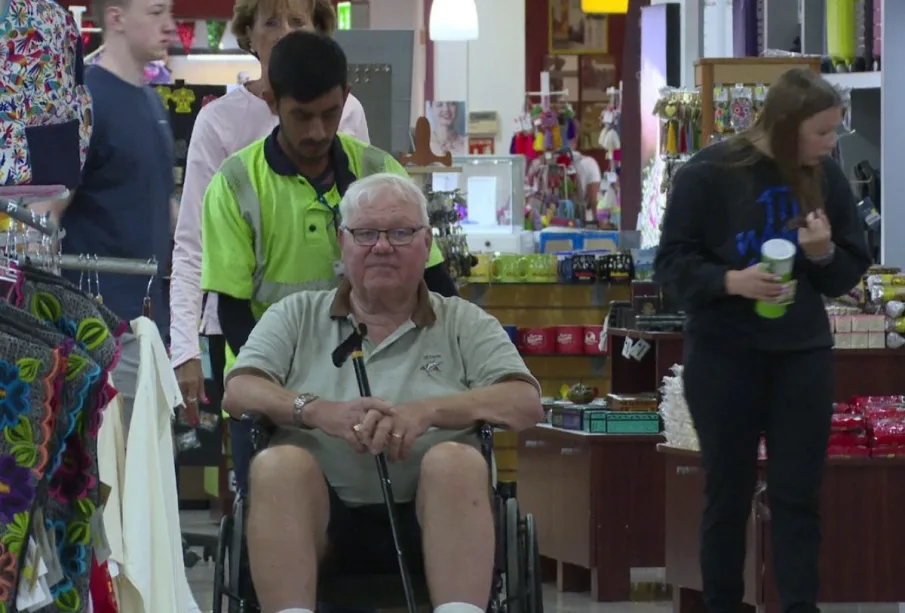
<point x="262" y="429"/>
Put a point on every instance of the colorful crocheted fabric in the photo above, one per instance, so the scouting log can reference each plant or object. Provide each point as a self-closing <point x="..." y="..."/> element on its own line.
<point x="45" y="109"/>
<point x="30" y="372"/>
<point x="116" y="325"/>
<point x="79" y="388"/>
<point x="72" y="492"/>
<point x="79" y="317"/>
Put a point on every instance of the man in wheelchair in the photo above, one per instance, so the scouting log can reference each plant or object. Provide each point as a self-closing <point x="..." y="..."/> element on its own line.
<point x="438" y="366"/>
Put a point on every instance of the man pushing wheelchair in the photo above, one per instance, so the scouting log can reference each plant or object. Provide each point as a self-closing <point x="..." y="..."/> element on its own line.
<point x="438" y="367"/>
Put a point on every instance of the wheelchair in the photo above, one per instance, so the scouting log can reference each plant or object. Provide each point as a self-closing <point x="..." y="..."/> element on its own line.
<point x="517" y="583"/>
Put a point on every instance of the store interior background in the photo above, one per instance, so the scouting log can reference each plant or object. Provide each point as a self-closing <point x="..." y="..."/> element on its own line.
<point x="493" y="73"/>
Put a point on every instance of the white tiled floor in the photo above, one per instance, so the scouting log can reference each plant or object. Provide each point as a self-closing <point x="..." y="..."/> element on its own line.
<point x="201" y="578"/>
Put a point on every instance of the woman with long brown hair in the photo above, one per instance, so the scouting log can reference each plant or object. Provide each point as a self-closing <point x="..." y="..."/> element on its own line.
<point x="758" y="346"/>
<point x="222" y="128"/>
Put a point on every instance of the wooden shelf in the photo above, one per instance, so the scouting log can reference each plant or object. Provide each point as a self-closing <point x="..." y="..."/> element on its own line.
<point x="831" y="460"/>
<point x="854" y="80"/>
<point x="712" y="72"/>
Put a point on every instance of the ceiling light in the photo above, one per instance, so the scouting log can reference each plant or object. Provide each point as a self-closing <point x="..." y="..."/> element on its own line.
<point x="453" y="20"/>
<point x="605" y="7"/>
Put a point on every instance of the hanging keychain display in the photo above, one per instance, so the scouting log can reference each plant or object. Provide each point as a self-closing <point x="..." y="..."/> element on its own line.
<point x="760" y="96"/>
<point x="742" y="104"/>
<point x="722" y="113"/>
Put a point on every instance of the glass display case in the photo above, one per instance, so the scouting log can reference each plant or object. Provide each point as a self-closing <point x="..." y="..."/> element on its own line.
<point x="494" y="191"/>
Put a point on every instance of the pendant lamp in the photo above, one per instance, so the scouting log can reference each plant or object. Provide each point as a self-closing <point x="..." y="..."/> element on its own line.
<point x="604" y="7"/>
<point x="453" y="20"/>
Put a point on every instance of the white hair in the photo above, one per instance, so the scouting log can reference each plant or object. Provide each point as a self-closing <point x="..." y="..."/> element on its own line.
<point x="379" y="186"/>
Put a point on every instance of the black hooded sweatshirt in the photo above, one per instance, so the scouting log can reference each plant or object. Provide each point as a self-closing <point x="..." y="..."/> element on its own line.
<point x="717" y="218"/>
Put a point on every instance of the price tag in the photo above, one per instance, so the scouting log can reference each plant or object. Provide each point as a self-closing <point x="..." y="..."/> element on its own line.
<point x="602" y="344"/>
<point x="639" y="349"/>
<point x="612" y="177"/>
<point x="627" y="348"/>
<point x="608" y="117"/>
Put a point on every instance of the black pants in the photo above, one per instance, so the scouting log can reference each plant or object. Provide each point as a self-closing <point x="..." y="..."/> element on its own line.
<point x="734" y="396"/>
<point x="360" y="540"/>
<point x="239" y="431"/>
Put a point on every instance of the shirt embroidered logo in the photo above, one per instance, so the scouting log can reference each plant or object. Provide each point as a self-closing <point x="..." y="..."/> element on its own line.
<point x="780" y="208"/>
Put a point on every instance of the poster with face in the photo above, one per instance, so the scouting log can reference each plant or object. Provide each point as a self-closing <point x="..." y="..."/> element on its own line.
<point x="449" y="127"/>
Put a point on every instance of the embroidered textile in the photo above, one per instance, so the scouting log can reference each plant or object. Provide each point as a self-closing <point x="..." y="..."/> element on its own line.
<point x="45" y="109"/>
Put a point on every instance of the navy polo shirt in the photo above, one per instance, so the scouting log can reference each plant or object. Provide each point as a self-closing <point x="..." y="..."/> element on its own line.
<point x="122" y="206"/>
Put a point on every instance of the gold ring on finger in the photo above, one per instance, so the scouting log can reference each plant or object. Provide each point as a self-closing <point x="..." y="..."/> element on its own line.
<point x="356" y="428"/>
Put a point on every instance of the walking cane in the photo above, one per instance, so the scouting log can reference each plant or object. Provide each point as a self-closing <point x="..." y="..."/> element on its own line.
<point x="352" y="347"/>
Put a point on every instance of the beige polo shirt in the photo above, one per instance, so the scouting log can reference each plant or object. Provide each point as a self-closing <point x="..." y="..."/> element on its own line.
<point x="449" y="346"/>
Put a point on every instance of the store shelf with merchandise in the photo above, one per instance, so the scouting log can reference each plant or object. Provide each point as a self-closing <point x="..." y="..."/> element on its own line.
<point x="804" y="27"/>
<point x="855" y="80"/>
<point x="599" y="456"/>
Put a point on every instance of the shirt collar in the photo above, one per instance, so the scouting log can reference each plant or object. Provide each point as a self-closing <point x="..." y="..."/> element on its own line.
<point x="280" y="163"/>
<point x="422" y="316"/>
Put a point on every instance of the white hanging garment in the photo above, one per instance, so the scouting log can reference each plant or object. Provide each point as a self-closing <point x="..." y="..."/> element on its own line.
<point x="148" y="547"/>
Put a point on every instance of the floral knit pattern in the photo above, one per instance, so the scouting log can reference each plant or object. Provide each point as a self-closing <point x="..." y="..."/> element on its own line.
<point x="29" y="273"/>
<point x="30" y="372"/>
<point x="64" y="315"/>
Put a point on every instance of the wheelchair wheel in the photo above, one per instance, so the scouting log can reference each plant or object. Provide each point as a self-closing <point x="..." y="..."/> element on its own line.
<point x="534" y="588"/>
<point x="221" y="562"/>
<point x="514" y="573"/>
<point x="238" y="590"/>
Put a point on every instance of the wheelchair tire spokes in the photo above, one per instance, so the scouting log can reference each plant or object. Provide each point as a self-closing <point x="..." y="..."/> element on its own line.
<point x="515" y="589"/>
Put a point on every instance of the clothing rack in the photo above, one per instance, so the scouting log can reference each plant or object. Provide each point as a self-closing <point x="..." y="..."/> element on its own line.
<point x="85" y="263"/>
<point x="41" y="223"/>
<point x="88" y="263"/>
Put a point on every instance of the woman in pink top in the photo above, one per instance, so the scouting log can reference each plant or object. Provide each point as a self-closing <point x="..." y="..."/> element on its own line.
<point x="224" y="127"/>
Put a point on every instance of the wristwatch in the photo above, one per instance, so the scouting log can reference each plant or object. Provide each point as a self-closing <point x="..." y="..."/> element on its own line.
<point x="298" y="407"/>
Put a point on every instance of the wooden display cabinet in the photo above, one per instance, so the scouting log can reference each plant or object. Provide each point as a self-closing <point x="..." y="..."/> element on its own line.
<point x="598" y="503"/>
<point x="597" y="498"/>
<point x="529" y="305"/>
<point x="861" y="559"/>
<point x="630" y="376"/>
<point x="712" y="72"/>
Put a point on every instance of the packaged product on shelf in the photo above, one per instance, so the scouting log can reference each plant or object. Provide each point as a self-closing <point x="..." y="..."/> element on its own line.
<point x="886" y="279"/>
<point x="877" y="412"/>
<point x="847" y="423"/>
<point x="849" y="435"/>
<point x="742" y="106"/>
<point x="888" y="432"/>
<point x="863" y="404"/>
<point x="895" y="309"/>
<point x="849" y="439"/>
<point x="848" y="452"/>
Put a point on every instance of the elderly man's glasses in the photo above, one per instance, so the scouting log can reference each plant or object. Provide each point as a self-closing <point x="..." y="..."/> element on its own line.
<point x="368" y="237"/>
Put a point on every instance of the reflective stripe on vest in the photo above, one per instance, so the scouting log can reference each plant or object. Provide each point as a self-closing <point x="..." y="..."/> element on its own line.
<point x="266" y="292"/>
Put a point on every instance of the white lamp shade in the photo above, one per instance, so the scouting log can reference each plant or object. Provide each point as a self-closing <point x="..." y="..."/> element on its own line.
<point x="454" y="20"/>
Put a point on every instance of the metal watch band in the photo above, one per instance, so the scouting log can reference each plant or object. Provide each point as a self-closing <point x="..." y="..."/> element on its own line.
<point x="298" y="406"/>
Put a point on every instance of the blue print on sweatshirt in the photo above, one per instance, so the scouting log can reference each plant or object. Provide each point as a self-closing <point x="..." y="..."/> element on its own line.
<point x="780" y="208"/>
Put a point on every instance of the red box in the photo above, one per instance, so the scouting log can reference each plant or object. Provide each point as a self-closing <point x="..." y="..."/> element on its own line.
<point x="592" y="340"/>
<point x="536" y="341"/>
<point x="570" y="340"/>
